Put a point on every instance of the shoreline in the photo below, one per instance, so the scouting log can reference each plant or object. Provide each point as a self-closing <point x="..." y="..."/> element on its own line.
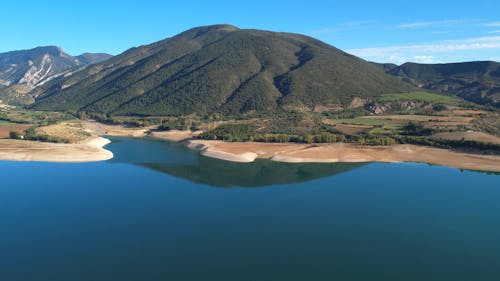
<point x="92" y="150"/>
<point x="246" y="152"/>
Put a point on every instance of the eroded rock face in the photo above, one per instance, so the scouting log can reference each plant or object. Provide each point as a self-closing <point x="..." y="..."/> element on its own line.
<point x="22" y="71"/>
<point x="358" y="102"/>
<point x="369" y="104"/>
<point x="37" y="74"/>
<point x="377" y="108"/>
<point x="408" y="105"/>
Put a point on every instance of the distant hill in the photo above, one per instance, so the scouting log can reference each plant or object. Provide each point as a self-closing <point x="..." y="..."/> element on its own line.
<point x="22" y="71"/>
<point x="91" y="58"/>
<point x="385" y="66"/>
<point x="219" y="69"/>
<point x="477" y="81"/>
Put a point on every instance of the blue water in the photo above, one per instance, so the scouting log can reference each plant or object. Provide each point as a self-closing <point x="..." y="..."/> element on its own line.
<point x="161" y="212"/>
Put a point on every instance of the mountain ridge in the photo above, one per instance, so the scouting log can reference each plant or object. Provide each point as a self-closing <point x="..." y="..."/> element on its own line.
<point x="219" y="69"/>
<point x="476" y="81"/>
<point x="23" y="70"/>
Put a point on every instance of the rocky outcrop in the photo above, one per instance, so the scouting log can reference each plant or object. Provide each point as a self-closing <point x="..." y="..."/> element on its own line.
<point x="377" y="108"/>
<point x="358" y="102"/>
<point x="22" y="71"/>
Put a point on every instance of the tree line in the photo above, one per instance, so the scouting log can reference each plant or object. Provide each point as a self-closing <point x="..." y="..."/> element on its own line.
<point x="32" y="135"/>
<point x="244" y="132"/>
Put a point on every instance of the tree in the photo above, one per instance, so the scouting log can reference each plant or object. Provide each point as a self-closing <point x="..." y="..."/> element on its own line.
<point x="308" y="138"/>
<point x="82" y="115"/>
<point x="16" y="135"/>
<point x="416" y="129"/>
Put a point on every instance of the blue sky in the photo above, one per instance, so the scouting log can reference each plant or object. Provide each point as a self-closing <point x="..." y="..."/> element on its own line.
<point x="383" y="31"/>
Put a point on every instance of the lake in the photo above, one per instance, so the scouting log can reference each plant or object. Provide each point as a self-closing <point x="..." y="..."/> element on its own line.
<point x="159" y="211"/>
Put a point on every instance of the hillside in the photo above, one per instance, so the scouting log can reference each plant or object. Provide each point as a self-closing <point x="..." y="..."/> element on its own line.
<point x="220" y="69"/>
<point x="385" y="66"/>
<point x="478" y="81"/>
<point x="22" y="71"/>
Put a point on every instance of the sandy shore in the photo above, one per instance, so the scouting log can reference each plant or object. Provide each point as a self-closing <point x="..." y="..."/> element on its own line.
<point x="90" y="150"/>
<point x="341" y="152"/>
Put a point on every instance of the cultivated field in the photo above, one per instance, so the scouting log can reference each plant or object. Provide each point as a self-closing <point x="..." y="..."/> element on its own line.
<point x="421" y="118"/>
<point x="6" y="128"/>
<point x="468" y="136"/>
<point x="419" y="96"/>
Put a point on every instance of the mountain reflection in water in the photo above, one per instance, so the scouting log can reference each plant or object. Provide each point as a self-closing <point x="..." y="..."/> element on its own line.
<point x="176" y="160"/>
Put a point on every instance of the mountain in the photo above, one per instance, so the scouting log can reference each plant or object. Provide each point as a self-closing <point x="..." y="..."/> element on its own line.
<point x="477" y="81"/>
<point x="385" y="66"/>
<point x="22" y="71"/>
<point x="256" y="174"/>
<point x="219" y="69"/>
<point x="91" y="58"/>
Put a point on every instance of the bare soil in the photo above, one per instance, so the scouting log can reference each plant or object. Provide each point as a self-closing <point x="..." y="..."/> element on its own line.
<point x="5" y="129"/>
<point x="424" y="118"/>
<point x="341" y="152"/>
<point x="469" y="136"/>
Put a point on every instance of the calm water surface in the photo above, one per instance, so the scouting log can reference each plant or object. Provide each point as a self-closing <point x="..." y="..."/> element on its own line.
<point x="160" y="212"/>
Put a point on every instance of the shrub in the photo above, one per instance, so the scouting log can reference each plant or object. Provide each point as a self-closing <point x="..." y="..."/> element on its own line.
<point x="416" y="129"/>
<point x="17" y="135"/>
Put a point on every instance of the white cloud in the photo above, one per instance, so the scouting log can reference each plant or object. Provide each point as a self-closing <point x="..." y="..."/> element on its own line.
<point x="424" y="59"/>
<point x="415" y="24"/>
<point x="441" y="32"/>
<point x="420" y="24"/>
<point x="427" y="53"/>
<point x="492" y="24"/>
<point x="494" y="31"/>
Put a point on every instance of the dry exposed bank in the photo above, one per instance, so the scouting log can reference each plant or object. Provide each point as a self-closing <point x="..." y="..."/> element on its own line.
<point x="341" y="152"/>
<point x="317" y="153"/>
<point x="90" y="150"/>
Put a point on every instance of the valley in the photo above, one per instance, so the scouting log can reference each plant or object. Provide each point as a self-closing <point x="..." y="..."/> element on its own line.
<point x="242" y="94"/>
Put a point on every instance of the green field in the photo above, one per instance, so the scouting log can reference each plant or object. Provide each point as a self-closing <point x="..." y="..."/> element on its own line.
<point x="380" y="126"/>
<point x="386" y="123"/>
<point x="3" y="122"/>
<point x="32" y="117"/>
<point x="417" y="96"/>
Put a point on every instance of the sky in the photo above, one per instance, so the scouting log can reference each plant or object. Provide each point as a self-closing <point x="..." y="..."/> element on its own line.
<point x="382" y="31"/>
